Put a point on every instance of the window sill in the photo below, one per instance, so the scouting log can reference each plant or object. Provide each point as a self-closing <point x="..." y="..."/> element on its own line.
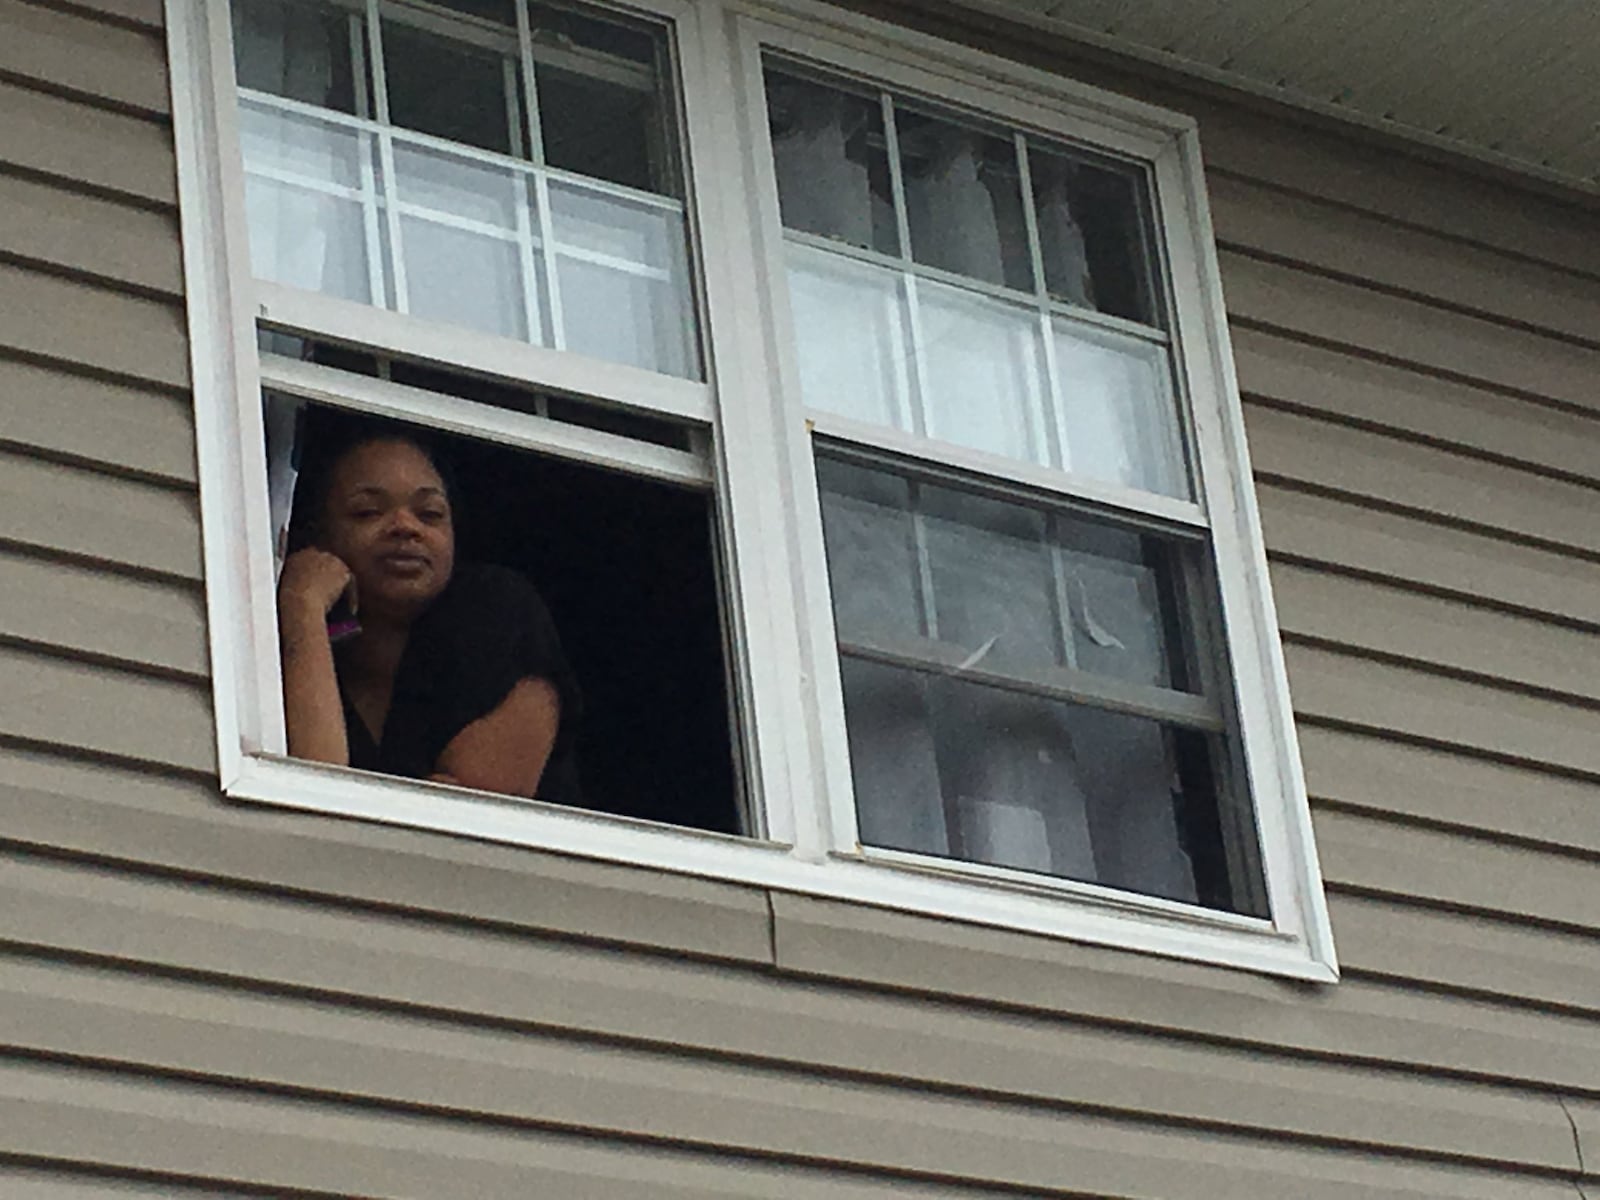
<point x="970" y="894"/>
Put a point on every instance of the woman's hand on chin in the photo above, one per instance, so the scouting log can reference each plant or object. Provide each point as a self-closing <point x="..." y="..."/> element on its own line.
<point x="312" y="582"/>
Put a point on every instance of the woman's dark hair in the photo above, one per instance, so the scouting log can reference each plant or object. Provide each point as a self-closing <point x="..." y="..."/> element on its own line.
<point x="325" y="436"/>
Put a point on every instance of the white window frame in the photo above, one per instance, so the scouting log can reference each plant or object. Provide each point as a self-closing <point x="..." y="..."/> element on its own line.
<point x="783" y="650"/>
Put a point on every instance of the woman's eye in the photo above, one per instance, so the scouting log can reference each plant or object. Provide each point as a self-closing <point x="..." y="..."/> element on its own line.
<point x="433" y="515"/>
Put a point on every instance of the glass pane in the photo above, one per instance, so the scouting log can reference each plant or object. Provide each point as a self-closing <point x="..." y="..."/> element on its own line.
<point x="602" y="111"/>
<point x="986" y="381"/>
<point x="1006" y="584"/>
<point x="953" y="768"/>
<point x="311" y="151"/>
<point x="993" y="587"/>
<point x="462" y="241"/>
<point x="302" y="52"/>
<point x="1120" y="414"/>
<point x="464" y="278"/>
<point x="893" y="759"/>
<point x="463" y="93"/>
<point x="832" y="163"/>
<point x="460" y="187"/>
<point x="1092" y="234"/>
<point x="1119" y="589"/>
<point x="624" y="277"/>
<point x="872" y="553"/>
<point x="964" y="200"/>
<point x="308" y="216"/>
<point x="850" y="337"/>
<point x="307" y="239"/>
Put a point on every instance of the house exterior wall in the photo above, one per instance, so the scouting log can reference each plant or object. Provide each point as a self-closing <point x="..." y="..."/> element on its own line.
<point x="202" y="998"/>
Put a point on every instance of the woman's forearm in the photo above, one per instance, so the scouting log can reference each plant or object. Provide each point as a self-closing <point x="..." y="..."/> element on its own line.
<point x="312" y="710"/>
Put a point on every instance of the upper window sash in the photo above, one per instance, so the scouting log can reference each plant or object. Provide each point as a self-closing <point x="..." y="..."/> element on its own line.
<point x="501" y="209"/>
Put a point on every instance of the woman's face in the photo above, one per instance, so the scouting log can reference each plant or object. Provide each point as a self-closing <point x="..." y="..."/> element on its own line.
<point x="388" y="517"/>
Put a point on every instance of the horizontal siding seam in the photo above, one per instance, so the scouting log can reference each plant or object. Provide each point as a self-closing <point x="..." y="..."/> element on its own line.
<point x="477" y="1119"/>
<point x="1458" y="749"/>
<point x="1324" y="200"/>
<point x="1436" y="591"/>
<point x="11" y="545"/>
<point x="1302" y="267"/>
<point x="74" y="366"/>
<point x="1430" y="666"/>
<point x="208" y="1187"/>
<point x="844" y="985"/>
<point x="73" y="184"/>
<point x="109" y="758"/>
<point x="1320" y="803"/>
<point x="102" y="15"/>
<point x="165" y="480"/>
<point x="99" y="658"/>
<point x="1458" y="991"/>
<point x="1461" y="908"/>
<point x="45" y="87"/>
<point x="109" y="283"/>
<point x="349" y="905"/>
<point x="375" y="1101"/>
<point x="1357" y="350"/>
<point x="796" y="1068"/>
<point x="1428" y="515"/>
<point x="1401" y="433"/>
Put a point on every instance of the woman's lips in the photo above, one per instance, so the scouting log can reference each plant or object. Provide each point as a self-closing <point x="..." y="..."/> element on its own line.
<point x="404" y="564"/>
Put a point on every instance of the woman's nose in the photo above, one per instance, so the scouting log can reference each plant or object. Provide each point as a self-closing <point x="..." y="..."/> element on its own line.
<point x="403" y="522"/>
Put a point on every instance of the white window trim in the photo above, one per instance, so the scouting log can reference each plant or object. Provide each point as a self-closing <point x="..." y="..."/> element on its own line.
<point x="790" y="697"/>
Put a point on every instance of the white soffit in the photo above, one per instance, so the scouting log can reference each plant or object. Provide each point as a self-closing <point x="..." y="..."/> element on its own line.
<point x="1514" y="82"/>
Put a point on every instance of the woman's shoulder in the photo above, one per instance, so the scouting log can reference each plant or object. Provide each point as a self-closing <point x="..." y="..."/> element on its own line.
<point x="488" y="592"/>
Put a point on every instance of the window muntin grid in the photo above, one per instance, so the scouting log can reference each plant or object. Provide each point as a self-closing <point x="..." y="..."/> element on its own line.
<point x="940" y="289"/>
<point x="1000" y="655"/>
<point x="497" y="236"/>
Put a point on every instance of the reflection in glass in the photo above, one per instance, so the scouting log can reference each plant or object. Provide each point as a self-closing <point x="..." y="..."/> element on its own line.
<point x="307" y="239"/>
<point x="602" y="112"/>
<point x="301" y="52"/>
<point x="851" y="338"/>
<point x="446" y="183"/>
<point x="463" y="278"/>
<point x="832" y="163"/>
<point x="304" y="203"/>
<point x="999" y="582"/>
<point x="985" y="384"/>
<point x="624" y="278"/>
<point x="1120" y="417"/>
<point x="1092" y="234"/>
<point x="450" y="89"/>
<point x="312" y="151"/>
<point x="952" y="768"/>
<point x="964" y="200"/>
<point x="872" y="553"/>
<point x="991" y="574"/>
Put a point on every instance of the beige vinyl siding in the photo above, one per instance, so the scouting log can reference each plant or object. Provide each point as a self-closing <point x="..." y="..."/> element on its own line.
<point x="200" y="998"/>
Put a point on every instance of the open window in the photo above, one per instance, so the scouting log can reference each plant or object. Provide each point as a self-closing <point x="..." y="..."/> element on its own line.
<point x="860" y="406"/>
<point x="613" y="524"/>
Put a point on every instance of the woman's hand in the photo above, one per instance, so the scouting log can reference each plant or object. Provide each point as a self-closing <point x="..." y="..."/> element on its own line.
<point x="312" y="582"/>
<point x="310" y="585"/>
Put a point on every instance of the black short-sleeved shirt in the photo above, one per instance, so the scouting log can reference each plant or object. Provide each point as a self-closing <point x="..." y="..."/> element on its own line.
<point x="485" y="631"/>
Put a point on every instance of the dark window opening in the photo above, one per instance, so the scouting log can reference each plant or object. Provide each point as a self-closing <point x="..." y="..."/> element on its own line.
<point x="628" y="570"/>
